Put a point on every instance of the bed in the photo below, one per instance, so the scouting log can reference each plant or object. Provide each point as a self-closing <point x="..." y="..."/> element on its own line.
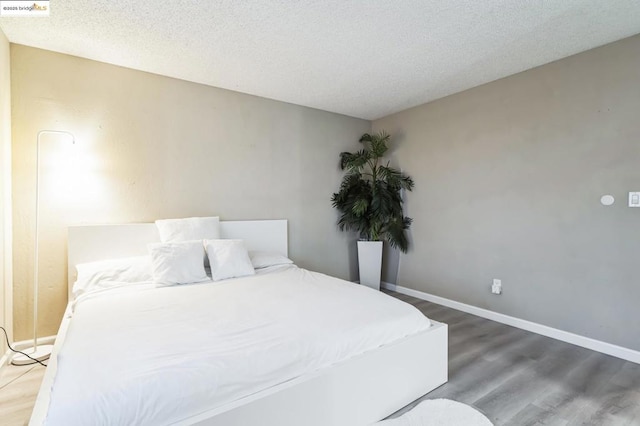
<point x="327" y="377"/>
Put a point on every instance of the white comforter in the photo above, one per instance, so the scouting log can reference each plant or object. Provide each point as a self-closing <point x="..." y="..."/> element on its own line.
<point x="145" y="355"/>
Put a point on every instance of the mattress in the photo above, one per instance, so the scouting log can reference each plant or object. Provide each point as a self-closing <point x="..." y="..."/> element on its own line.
<point x="142" y="354"/>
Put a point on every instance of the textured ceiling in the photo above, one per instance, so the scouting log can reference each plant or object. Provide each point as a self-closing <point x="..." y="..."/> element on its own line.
<point x="363" y="58"/>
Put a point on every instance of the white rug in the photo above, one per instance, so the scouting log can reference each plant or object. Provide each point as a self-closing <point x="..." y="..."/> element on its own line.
<point x="439" y="412"/>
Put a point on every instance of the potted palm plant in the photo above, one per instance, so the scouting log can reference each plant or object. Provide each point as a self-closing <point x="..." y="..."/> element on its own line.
<point x="370" y="203"/>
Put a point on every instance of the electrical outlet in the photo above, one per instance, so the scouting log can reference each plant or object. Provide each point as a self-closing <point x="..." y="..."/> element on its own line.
<point x="496" y="287"/>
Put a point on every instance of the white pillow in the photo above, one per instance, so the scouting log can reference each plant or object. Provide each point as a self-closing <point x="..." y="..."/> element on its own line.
<point x="189" y="229"/>
<point x="106" y="273"/>
<point x="177" y="263"/>
<point x="263" y="259"/>
<point x="228" y="259"/>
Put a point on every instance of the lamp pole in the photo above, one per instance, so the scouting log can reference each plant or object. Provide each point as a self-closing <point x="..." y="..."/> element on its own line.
<point x="45" y="351"/>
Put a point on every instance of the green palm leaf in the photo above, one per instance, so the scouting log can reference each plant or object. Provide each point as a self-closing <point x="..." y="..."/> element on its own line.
<point x="370" y="196"/>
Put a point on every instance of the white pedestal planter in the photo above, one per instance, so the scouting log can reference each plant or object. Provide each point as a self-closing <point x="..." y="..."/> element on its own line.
<point x="370" y="263"/>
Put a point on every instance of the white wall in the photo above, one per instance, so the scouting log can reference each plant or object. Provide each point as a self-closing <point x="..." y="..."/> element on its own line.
<point x="5" y="192"/>
<point x="154" y="147"/>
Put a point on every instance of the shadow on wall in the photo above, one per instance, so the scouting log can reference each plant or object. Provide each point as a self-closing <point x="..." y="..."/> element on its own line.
<point x="352" y="251"/>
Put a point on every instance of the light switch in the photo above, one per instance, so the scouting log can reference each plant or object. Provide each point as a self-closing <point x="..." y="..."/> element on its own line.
<point x="634" y="199"/>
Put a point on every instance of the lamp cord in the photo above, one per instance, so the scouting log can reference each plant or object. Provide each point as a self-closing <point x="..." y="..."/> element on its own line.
<point x="6" y="336"/>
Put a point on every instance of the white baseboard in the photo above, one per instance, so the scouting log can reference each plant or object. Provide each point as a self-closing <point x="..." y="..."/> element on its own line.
<point x="5" y="358"/>
<point x="554" y="333"/>
<point x="24" y="344"/>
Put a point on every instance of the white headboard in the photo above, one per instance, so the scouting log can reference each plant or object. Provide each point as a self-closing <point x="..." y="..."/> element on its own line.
<point x="88" y="243"/>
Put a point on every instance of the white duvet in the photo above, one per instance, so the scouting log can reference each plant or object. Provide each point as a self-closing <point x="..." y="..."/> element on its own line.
<point x="139" y="354"/>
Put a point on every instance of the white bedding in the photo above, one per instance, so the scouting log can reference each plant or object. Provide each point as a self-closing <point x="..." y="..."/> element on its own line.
<point x="141" y="354"/>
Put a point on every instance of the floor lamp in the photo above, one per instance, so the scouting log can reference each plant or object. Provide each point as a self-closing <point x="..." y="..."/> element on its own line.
<point x="36" y="352"/>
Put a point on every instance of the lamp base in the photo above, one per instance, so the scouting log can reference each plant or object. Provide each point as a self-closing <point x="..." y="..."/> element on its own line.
<point x="43" y="352"/>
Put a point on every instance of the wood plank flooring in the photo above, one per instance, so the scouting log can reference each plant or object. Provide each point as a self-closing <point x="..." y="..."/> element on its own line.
<point x="514" y="377"/>
<point x="18" y="390"/>
<point x="518" y="378"/>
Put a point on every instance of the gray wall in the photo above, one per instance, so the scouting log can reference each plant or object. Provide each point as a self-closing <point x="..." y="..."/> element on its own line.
<point x="152" y="147"/>
<point x="508" y="181"/>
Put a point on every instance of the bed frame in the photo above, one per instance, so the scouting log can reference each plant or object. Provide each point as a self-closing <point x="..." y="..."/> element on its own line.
<point x="358" y="391"/>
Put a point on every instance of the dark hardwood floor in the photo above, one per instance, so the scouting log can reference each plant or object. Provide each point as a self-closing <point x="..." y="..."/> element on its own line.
<point x="518" y="378"/>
